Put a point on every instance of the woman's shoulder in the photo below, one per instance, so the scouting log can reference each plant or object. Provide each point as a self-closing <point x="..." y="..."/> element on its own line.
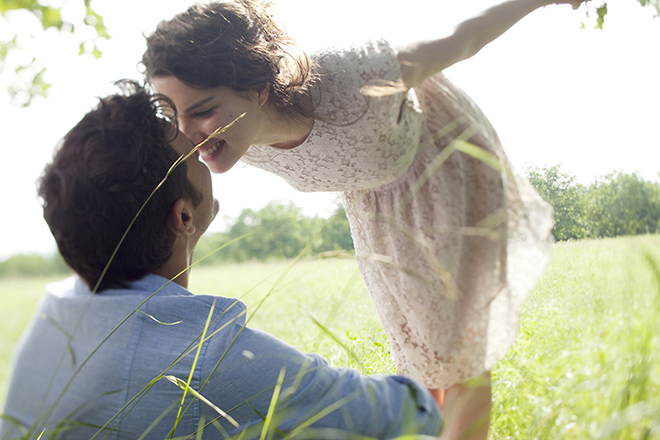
<point x="344" y="73"/>
<point x="370" y="59"/>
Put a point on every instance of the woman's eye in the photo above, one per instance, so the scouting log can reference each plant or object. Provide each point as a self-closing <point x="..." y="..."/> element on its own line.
<point x="204" y="113"/>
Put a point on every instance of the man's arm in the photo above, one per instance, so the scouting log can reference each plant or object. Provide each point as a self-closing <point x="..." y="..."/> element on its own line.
<point x="424" y="59"/>
<point x="311" y="393"/>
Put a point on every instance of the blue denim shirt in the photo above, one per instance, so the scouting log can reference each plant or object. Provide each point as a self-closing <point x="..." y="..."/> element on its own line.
<point x="115" y="362"/>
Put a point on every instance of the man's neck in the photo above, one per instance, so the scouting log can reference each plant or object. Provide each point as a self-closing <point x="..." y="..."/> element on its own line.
<point x="179" y="276"/>
<point x="177" y="267"/>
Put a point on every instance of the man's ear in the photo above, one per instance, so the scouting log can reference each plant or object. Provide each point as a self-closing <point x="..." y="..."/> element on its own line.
<point x="180" y="219"/>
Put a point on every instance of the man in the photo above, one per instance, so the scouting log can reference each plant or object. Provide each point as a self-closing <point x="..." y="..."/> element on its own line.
<point x="114" y="352"/>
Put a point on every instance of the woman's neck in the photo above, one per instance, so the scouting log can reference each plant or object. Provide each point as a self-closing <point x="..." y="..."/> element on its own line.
<point x="284" y="131"/>
<point x="297" y="136"/>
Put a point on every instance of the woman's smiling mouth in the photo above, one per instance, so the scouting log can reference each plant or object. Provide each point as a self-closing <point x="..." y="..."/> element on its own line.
<point x="206" y="152"/>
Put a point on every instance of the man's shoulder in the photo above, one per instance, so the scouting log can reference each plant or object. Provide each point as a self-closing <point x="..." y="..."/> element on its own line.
<point x="195" y="304"/>
<point x="66" y="288"/>
<point x="152" y="292"/>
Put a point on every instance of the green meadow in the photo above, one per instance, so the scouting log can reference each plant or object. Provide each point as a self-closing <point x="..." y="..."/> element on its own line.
<point x="586" y="365"/>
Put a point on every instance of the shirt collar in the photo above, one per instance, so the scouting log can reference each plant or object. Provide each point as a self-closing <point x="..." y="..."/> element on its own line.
<point x="74" y="286"/>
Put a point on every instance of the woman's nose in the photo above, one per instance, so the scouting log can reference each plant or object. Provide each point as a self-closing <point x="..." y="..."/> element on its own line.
<point x="191" y="131"/>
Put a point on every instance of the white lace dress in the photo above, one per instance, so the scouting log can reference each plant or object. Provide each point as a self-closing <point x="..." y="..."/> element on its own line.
<point x="449" y="240"/>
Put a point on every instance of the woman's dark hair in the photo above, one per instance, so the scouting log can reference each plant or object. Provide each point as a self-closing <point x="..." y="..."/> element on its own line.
<point x="103" y="171"/>
<point x="236" y="44"/>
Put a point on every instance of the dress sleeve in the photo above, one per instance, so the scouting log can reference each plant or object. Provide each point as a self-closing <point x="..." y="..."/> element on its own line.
<point x="358" y="141"/>
<point x="312" y="395"/>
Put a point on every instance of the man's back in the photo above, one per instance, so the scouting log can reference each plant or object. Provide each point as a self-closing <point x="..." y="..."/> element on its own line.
<point x="116" y="372"/>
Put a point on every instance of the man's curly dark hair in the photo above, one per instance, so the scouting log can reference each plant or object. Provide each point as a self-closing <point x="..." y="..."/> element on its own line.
<point x="102" y="172"/>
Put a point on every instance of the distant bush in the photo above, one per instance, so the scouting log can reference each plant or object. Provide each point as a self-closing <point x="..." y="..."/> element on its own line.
<point x="277" y="231"/>
<point x="566" y="197"/>
<point x="614" y="205"/>
<point x="33" y="265"/>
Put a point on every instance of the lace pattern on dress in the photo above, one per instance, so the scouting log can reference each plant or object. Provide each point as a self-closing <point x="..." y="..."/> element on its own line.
<point x="449" y="240"/>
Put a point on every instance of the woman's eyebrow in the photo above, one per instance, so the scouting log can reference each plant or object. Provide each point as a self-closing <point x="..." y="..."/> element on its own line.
<point x="198" y="104"/>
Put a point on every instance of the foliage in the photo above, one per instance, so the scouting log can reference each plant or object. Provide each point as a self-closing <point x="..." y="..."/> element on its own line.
<point x="275" y="232"/>
<point x="601" y="11"/>
<point x="614" y="205"/>
<point x="50" y="18"/>
<point x="32" y="264"/>
<point x="586" y="364"/>
<point x="617" y="204"/>
<point x="278" y="231"/>
<point x="564" y="194"/>
<point x="623" y="204"/>
<point x="335" y="233"/>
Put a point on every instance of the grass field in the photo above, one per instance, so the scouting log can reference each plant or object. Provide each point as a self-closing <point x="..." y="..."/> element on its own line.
<point x="587" y="364"/>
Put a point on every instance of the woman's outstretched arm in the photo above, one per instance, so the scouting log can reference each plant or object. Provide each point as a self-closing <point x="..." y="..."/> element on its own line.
<point x="424" y="59"/>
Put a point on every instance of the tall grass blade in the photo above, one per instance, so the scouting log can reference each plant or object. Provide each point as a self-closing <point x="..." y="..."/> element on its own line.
<point x="69" y="337"/>
<point x="158" y="321"/>
<point x="194" y="365"/>
<point x="263" y="418"/>
<point x="186" y="387"/>
<point x="200" y="428"/>
<point x="479" y="153"/>
<point x="187" y="351"/>
<point x="273" y="405"/>
<point x="16" y="424"/>
<point x="336" y="339"/>
<point x="324" y="412"/>
<point x="156" y="421"/>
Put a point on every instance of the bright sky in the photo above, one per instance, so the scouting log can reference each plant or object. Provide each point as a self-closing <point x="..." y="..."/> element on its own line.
<point x="556" y="93"/>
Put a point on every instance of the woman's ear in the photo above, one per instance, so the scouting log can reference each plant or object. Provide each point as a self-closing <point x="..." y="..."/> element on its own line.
<point x="263" y="93"/>
<point x="180" y="219"/>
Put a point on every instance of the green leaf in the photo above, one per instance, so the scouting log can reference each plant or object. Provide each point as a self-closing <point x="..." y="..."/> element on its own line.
<point x="5" y="47"/>
<point x="601" y="11"/>
<point x="96" y="20"/>
<point x="96" y="53"/>
<point x="51" y="17"/>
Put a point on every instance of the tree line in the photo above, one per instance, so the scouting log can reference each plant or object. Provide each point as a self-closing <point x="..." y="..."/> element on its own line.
<point x="278" y="231"/>
<point x="614" y="205"/>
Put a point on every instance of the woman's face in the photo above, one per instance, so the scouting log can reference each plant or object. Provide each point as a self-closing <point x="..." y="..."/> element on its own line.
<point x="200" y="178"/>
<point x="203" y="111"/>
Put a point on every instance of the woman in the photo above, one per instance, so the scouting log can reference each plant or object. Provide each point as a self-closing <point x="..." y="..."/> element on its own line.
<point x="448" y="239"/>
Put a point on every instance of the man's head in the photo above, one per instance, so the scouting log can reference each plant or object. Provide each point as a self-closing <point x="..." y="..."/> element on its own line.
<point x="103" y="171"/>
